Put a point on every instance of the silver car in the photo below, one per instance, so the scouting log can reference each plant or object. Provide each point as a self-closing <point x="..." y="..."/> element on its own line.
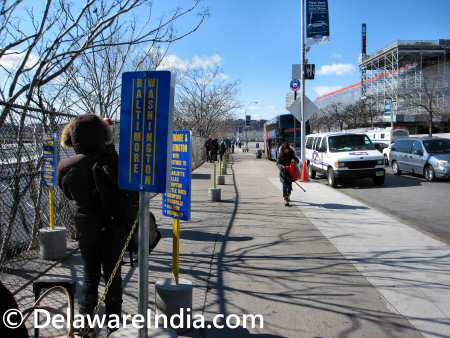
<point x="428" y="156"/>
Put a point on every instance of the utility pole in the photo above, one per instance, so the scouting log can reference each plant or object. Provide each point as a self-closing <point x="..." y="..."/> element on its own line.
<point x="302" y="79"/>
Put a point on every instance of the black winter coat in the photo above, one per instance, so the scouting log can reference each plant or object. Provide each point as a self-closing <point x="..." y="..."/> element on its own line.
<point x="89" y="178"/>
<point x="285" y="159"/>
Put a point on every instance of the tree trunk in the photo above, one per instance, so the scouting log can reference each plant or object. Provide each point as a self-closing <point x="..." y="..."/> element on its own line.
<point x="430" y="124"/>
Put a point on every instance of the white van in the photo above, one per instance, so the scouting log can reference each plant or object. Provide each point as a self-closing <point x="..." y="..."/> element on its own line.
<point x="340" y="155"/>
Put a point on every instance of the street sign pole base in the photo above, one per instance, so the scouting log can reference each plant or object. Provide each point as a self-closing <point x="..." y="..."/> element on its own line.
<point x="52" y="243"/>
<point x="221" y="180"/>
<point x="214" y="194"/>
<point x="130" y="332"/>
<point x="175" y="299"/>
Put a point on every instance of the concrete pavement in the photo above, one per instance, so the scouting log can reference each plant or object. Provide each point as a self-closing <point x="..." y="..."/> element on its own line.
<point x="322" y="268"/>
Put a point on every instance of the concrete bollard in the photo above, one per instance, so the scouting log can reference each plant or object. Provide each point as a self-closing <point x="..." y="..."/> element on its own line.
<point x="221" y="180"/>
<point x="174" y="299"/>
<point x="131" y="332"/>
<point x="52" y="243"/>
<point x="224" y="168"/>
<point x="214" y="194"/>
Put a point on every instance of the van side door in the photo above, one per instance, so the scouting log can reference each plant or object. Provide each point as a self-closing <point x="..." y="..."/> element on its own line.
<point x="417" y="161"/>
<point x="322" y="150"/>
<point x="315" y="154"/>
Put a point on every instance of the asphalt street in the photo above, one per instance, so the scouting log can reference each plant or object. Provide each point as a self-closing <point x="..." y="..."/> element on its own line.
<point x="409" y="198"/>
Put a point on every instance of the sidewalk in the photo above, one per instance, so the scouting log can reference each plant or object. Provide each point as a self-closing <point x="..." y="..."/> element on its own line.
<point x="249" y="254"/>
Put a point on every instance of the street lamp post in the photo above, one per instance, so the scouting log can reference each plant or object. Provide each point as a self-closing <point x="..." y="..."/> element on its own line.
<point x="302" y="79"/>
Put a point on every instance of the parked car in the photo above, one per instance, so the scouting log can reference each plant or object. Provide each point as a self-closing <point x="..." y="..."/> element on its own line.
<point x="428" y="156"/>
<point x="340" y="155"/>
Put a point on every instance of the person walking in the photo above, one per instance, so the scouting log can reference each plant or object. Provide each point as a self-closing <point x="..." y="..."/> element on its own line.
<point x="89" y="178"/>
<point x="286" y="156"/>
<point x="222" y="149"/>
<point x="214" y="149"/>
<point x="208" y="149"/>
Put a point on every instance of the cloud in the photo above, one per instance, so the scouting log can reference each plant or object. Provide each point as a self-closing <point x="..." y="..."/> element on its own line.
<point x="322" y="90"/>
<point x="266" y="112"/>
<point x="12" y="60"/>
<point x="337" y="69"/>
<point x="175" y="63"/>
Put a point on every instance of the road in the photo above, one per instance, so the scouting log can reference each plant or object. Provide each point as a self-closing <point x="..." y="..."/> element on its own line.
<point x="409" y="198"/>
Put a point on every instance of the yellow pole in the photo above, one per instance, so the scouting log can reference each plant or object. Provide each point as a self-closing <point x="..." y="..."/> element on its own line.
<point x="176" y="250"/>
<point x="214" y="174"/>
<point x="52" y="208"/>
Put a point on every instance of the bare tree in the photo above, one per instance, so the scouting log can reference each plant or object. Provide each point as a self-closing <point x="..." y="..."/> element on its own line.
<point x="205" y="101"/>
<point x="431" y="97"/>
<point x="35" y="58"/>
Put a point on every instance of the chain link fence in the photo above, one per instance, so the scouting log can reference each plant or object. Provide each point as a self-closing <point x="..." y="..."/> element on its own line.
<point x="24" y="198"/>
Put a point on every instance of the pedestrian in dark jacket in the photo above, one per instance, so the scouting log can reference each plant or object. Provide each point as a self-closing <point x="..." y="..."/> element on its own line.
<point x="208" y="149"/>
<point x="222" y="149"/>
<point x="214" y="149"/>
<point x="285" y="157"/>
<point x="8" y="303"/>
<point x="89" y="178"/>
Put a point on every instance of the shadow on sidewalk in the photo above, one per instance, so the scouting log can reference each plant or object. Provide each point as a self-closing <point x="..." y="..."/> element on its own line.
<point x="229" y="333"/>
<point x="195" y="235"/>
<point x="335" y="206"/>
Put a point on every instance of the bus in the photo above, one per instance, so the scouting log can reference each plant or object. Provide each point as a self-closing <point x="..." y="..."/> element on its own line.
<point x="280" y="129"/>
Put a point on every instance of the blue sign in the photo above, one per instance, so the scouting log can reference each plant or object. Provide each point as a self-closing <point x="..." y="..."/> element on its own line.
<point x="50" y="159"/>
<point x="177" y="200"/>
<point x="145" y="127"/>
<point x="317" y="21"/>
<point x="295" y="85"/>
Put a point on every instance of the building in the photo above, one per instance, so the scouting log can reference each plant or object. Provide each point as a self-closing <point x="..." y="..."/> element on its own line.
<point x="398" y="81"/>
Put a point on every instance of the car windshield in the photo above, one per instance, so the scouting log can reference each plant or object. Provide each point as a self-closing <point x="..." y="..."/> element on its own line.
<point x="349" y="143"/>
<point x="437" y="146"/>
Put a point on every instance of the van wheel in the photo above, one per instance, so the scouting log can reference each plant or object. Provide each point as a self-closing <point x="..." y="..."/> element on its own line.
<point x="379" y="180"/>
<point x="332" y="182"/>
<point x="395" y="168"/>
<point x="429" y="173"/>
<point x="311" y="172"/>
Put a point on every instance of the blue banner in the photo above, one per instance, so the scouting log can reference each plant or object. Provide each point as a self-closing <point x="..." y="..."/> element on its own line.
<point x="145" y="126"/>
<point x="177" y="200"/>
<point x="317" y="21"/>
<point x="50" y="159"/>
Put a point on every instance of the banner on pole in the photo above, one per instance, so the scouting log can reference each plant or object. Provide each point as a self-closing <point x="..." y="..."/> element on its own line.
<point x="145" y="130"/>
<point x="50" y="159"/>
<point x="177" y="199"/>
<point x="317" y="21"/>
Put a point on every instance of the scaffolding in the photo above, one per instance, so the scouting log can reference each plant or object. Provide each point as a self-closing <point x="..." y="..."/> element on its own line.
<point x="400" y="68"/>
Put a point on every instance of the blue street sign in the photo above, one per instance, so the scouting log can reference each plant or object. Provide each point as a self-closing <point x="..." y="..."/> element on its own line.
<point x="50" y="159"/>
<point x="177" y="200"/>
<point x="145" y="126"/>
<point x="295" y="85"/>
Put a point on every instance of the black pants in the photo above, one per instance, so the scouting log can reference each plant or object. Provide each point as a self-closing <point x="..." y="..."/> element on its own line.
<point x="100" y="249"/>
<point x="287" y="188"/>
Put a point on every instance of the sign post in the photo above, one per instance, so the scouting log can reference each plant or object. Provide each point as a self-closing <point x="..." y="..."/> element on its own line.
<point x="50" y="162"/>
<point x="145" y="138"/>
<point x="177" y="200"/>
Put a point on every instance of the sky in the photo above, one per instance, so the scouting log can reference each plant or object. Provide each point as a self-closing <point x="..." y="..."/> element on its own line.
<point x="256" y="42"/>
